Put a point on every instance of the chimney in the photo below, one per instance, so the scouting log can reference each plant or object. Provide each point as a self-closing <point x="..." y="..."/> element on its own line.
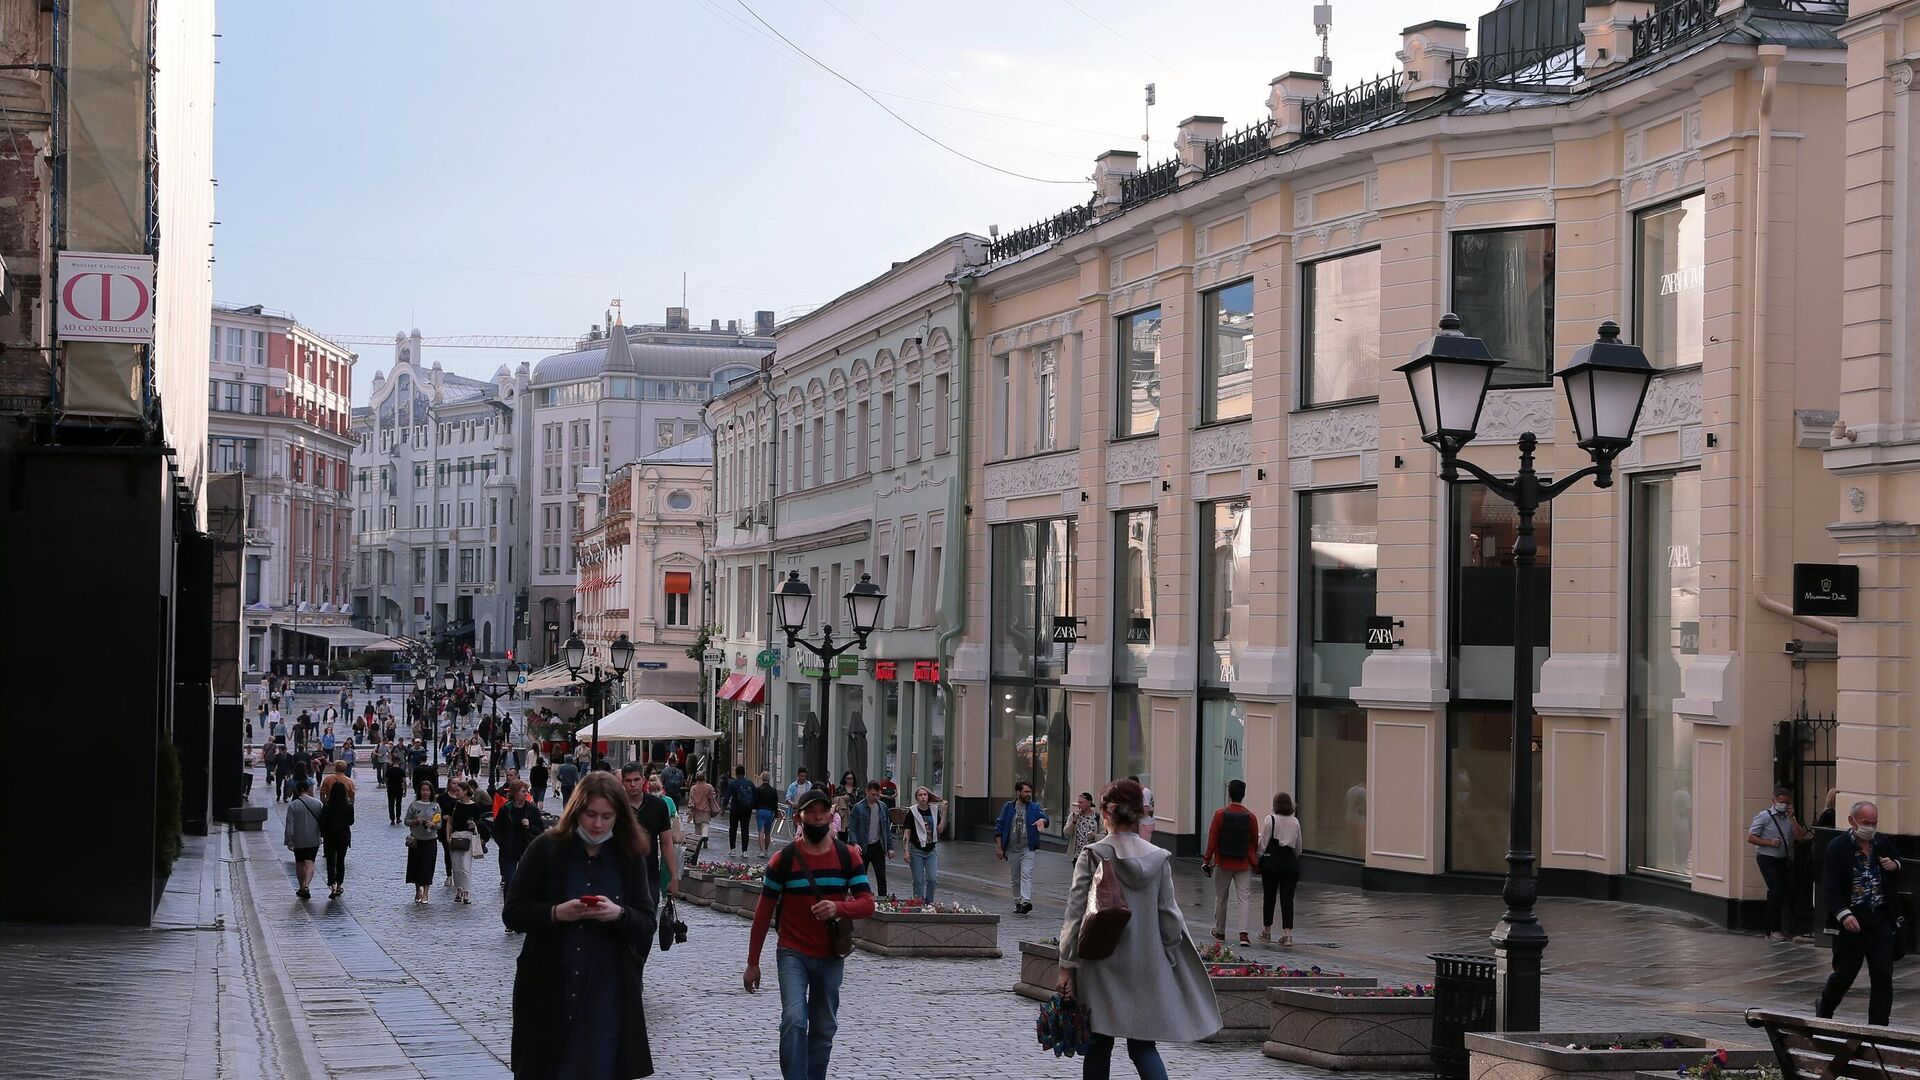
<point x="677" y="318"/>
<point x="714" y="326"/>
<point x="763" y="323"/>
<point x="733" y="326"/>
<point x="1287" y="102"/>
<point x="1427" y="52"/>
<point x="1108" y="168"/>
<point x="1190" y="146"/>
<point x="1608" y="31"/>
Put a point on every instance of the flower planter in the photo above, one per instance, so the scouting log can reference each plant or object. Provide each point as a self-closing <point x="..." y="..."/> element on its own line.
<point x="735" y="897"/>
<point x="928" y="934"/>
<point x="1039" y="970"/>
<point x="1544" y="1055"/>
<point x="697" y="888"/>
<point x="1328" y="1031"/>
<point x="1246" y="1016"/>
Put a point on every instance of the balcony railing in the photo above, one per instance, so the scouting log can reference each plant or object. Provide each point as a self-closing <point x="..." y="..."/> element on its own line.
<point x="1072" y="220"/>
<point x="1248" y="144"/>
<point x="1834" y="8"/>
<point x="1672" y="23"/>
<point x="1356" y="105"/>
<point x="1520" y="69"/>
<point x="1148" y="184"/>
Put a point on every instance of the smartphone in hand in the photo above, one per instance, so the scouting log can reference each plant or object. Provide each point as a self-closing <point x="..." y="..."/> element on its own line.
<point x="593" y="901"/>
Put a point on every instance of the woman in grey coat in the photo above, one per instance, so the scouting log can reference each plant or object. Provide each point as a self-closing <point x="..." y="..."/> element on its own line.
<point x="1153" y="988"/>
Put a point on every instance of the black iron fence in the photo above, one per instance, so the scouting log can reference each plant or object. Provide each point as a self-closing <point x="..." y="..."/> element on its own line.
<point x="1162" y="179"/>
<point x="1074" y="219"/>
<point x="1248" y="144"/>
<point x="1672" y="23"/>
<point x="1356" y="105"/>
<point x="1529" y="69"/>
<point x="1835" y="8"/>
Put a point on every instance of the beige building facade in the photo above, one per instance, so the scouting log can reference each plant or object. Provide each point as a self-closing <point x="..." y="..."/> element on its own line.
<point x="1197" y="476"/>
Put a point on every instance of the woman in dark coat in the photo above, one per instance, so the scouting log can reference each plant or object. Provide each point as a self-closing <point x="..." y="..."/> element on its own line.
<point x="577" y="1008"/>
<point x="336" y="832"/>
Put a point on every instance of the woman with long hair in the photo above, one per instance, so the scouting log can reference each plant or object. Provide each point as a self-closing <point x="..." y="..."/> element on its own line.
<point x="336" y="832"/>
<point x="582" y="896"/>
<point x="1279" y="866"/>
<point x="462" y="829"/>
<point x="1152" y="988"/>
<point x="423" y="830"/>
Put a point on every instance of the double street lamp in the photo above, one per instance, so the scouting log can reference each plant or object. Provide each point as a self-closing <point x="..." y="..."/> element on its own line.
<point x="598" y="681"/>
<point x="481" y="681"/>
<point x="863" y="613"/>
<point x="1605" y="385"/>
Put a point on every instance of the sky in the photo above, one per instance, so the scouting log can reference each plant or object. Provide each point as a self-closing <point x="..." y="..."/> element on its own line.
<point x="466" y="168"/>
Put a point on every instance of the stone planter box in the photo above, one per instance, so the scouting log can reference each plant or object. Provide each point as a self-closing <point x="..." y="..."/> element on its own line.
<point x="697" y="888"/>
<point x="1544" y="1056"/>
<point x="1327" y="1031"/>
<point x="735" y="897"/>
<point x="928" y="934"/>
<point x="1039" y="970"/>
<point x="1244" y="1012"/>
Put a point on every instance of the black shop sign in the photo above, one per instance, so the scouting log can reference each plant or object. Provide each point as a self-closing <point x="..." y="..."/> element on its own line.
<point x="1826" y="589"/>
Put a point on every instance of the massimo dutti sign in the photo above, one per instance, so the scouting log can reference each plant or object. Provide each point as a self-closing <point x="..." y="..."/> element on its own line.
<point x="1826" y="589"/>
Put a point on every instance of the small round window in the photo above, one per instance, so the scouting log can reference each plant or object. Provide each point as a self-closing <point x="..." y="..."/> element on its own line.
<point x="679" y="500"/>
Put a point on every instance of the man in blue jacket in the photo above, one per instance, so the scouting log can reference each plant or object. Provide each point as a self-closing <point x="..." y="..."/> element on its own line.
<point x="872" y="830"/>
<point x="1856" y="881"/>
<point x="1017" y="838"/>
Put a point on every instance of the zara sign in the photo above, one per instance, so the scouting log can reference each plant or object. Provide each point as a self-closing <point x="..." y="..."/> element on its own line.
<point x="105" y="297"/>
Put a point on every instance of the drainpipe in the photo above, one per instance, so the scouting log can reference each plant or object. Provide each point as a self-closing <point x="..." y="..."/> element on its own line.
<point x="777" y="762"/>
<point x="954" y="594"/>
<point x="1770" y="57"/>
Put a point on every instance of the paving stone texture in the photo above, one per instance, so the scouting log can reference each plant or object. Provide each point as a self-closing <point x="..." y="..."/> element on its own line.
<point x="240" y="979"/>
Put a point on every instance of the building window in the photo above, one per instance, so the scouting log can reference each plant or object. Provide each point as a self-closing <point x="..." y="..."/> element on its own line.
<point x="679" y="596"/>
<point x="1139" y="400"/>
<point x="442" y="561"/>
<point x="1480" y="724"/>
<point x="942" y="413"/>
<point x="1338" y="584"/>
<point x="886" y="431"/>
<point x="236" y="345"/>
<point x="257" y="400"/>
<point x="1132" y="735"/>
<point x="1664" y="641"/>
<point x="1340" y="329"/>
<point x="259" y="350"/>
<point x="1226" y="385"/>
<point x="1503" y="293"/>
<point x="1032" y="592"/>
<point x="1134" y="555"/>
<point x="1047" y="396"/>
<point x="230" y="397"/>
<point x="253" y="580"/>
<point x="1226" y="593"/>
<point x="419" y="566"/>
<point x="1670" y="276"/>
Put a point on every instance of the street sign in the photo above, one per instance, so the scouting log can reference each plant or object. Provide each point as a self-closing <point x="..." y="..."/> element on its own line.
<point x="553" y="626"/>
<point x="105" y="297"/>
<point x="715" y="657"/>
<point x="768" y="658"/>
<point x="1826" y="589"/>
<point x="651" y="665"/>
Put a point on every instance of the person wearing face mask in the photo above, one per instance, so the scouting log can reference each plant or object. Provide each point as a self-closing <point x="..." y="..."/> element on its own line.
<point x="1772" y="835"/>
<point x="815" y="881"/>
<point x="584" y="898"/>
<point x="1856" y="882"/>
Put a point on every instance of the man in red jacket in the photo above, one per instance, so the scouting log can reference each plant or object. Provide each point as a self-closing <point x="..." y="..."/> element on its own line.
<point x="1233" y="847"/>
<point x="809" y="972"/>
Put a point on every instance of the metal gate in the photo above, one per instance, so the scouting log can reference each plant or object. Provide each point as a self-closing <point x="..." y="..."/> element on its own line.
<point x="1804" y="761"/>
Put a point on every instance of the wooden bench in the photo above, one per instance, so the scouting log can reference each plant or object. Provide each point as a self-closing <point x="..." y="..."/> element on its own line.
<point x="1809" y="1048"/>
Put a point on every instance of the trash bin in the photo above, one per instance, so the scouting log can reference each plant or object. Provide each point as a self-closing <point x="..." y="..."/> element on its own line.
<point x="1463" y="1001"/>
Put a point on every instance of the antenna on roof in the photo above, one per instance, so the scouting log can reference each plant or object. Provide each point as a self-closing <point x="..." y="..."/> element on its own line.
<point x="1323" y="25"/>
<point x="1146" y="136"/>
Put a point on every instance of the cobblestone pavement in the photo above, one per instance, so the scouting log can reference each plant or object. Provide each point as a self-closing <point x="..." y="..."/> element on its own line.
<point x="243" y="980"/>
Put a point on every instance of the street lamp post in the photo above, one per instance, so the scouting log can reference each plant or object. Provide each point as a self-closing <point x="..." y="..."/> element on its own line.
<point x="420" y="677"/>
<point x="622" y="657"/>
<point x="494" y="691"/>
<point x="1605" y="385"/>
<point x="863" y="612"/>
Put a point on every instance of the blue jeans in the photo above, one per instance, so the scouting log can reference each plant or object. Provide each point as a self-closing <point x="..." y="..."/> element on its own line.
<point x="809" y="1007"/>
<point x="926" y="871"/>
<point x="1099" y="1060"/>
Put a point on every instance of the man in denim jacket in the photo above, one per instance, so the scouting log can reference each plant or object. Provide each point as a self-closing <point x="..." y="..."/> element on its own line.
<point x="1017" y="842"/>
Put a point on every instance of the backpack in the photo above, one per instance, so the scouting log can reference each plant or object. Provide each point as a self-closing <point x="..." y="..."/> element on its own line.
<point x="1236" y="834"/>
<point x="839" y="931"/>
<point x="742" y="793"/>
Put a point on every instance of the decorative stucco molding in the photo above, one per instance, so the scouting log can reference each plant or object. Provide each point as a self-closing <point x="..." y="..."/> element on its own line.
<point x="1131" y="461"/>
<point x="1692" y="442"/>
<point x="1221" y="267"/>
<point x="1034" y="476"/>
<point x="1300" y="472"/>
<point x="1673" y="401"/>
<point x="1508" y="413"/>
<point x="1645" y="183"/>
<point x="1036" y="332"/>
<point x="1220" y="448"/>
<point x="1335" y="431"/>
<point x="1454" y="206"/>
<point x="1127" y="298"/>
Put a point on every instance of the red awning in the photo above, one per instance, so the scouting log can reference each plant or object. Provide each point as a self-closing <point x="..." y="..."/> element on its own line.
<point x="731" y="687"/>
<point x="679" y="584"/>
<point x="754" y="692"/>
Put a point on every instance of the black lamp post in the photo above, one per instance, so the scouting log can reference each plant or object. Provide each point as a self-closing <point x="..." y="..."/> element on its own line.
<point x="863" y="612"/>
<point x="481" y="683"/>
<point x="598" y="681"/>
<point x="1605" y="385"/>
<point x="420" y="678"/>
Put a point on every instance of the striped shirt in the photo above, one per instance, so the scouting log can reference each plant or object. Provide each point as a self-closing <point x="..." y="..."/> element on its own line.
<point x="786" y="885"/>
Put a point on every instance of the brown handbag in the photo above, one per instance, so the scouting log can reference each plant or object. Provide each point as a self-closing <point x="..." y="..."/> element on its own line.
<point x="839" y="931"/>
<point x="1107" y="914"/>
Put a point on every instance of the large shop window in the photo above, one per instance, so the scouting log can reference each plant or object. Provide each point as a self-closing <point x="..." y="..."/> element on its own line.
<point x="1132" y="735"/>
<point x="1226" y="597"/>
<point x="1138" y="403"/>
<point x="1670" y="277"/>
<point x="1339" y="582"/>
<point x="1664" y="641"/>
<point x="1033" y="567"/>
<point x="1227" y="386"/>
<point x="1340" y="331"/>
<point x="1480" y="724"/>
<point x="1134" y="555"/>
<point x="1503" y="293"/>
